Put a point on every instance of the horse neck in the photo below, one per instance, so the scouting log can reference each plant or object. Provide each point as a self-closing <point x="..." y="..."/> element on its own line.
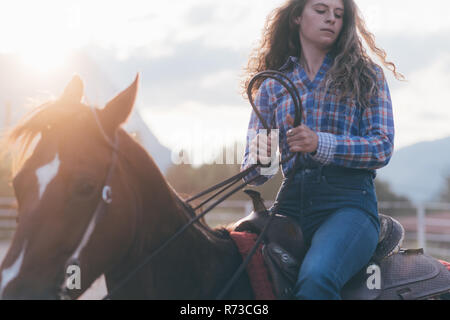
<point x="198" y="254"/>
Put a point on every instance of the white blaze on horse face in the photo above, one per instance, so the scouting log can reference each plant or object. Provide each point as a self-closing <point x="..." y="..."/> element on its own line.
<point x="86" y="236"/>
<point x="12" y="272"/>
<point x="46" y="174"/>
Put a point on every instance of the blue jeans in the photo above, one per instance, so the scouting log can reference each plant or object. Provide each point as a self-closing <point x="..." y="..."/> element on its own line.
<point x="337" y="210"/>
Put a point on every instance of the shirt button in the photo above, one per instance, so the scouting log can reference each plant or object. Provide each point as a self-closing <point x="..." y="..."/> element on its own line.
<point x="364" y="192"/>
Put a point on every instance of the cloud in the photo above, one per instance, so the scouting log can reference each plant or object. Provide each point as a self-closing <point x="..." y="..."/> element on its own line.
<point x="217" y="79"/>
<point x="201" y="14"/>
<point x="404" y="17"/>
<point x="421" y="107"/>
<point x="411" y="52"/>
<point x="200" y="129"/>
<point x="132" y="25"/>
<point x="196" y="72"/>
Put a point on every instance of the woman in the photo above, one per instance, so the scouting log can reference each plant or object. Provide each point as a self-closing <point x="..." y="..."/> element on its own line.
<point x="347" y="133"/>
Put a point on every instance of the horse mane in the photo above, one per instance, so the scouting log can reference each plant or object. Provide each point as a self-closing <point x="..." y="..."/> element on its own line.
<point x="19" y="139"/>
<point x="221" y="233"/>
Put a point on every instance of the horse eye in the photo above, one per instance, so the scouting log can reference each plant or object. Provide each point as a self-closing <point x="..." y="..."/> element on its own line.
<point x="84" y="189"/>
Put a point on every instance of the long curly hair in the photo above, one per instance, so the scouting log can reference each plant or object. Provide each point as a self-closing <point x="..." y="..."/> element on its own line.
<point x="353" y="72"/>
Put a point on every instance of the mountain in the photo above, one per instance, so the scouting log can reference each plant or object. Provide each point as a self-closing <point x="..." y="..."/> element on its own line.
<point x="159" y="153"/>
<point x="21" y="86"/>
<point x="419" y="171"/>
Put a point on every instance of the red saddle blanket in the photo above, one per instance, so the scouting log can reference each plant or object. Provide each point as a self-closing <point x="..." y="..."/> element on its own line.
<point x="256" y="270"/>
<point x="446" y="264"/>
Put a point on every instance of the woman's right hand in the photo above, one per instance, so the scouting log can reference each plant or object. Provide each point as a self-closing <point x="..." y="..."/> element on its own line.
<point x="260" y="148"/>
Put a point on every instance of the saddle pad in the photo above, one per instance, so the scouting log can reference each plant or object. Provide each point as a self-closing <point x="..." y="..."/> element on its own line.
<point x="256" y="270"/>
<point x="407" y="275"/>
<point x="446" y="264"/>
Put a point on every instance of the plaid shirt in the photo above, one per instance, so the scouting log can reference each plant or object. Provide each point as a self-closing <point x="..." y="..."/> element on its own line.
<point x="348" y="135"/>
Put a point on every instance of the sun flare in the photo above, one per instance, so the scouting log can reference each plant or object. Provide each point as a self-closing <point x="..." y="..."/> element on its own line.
<point x="43" y="34"/>
<point x="44" y="60"/>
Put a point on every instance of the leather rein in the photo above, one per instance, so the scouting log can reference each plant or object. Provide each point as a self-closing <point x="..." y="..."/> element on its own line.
<point x="107" y="190"/>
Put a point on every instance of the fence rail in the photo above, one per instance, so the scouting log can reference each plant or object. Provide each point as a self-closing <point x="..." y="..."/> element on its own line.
<point x="8" y="215"/>
<point x="425" y="229"/>
<point x="429" y="231"/>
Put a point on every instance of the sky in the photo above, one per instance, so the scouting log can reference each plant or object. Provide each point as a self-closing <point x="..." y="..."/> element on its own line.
<point x="191" y="53"/>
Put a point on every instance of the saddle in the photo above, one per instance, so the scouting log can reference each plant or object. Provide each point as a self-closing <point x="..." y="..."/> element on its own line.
<point x="392" y="274"/>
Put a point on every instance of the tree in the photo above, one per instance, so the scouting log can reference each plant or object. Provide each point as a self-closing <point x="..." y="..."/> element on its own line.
<point x="385" y="194"/>
<point x="187" y="179"/>
<point x="445" y="193"/>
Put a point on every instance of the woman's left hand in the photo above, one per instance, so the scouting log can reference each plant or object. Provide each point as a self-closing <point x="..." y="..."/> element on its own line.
<point x="302" y="138"/>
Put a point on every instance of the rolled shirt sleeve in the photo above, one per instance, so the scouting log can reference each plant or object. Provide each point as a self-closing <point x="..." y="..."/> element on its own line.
<point x="374" y="148"/>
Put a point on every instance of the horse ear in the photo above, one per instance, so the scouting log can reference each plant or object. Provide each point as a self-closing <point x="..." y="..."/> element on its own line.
<point x="119" y="108"/>
<point x="74" y="90"/>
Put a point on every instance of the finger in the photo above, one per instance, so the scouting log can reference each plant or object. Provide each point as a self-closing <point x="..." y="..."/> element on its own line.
<point x="297" y="148"/>
<point x="265" y="151"/>
<point x="292" y="132"/>
<point x="302" y="136"/>
<point x="260" y="153"/>
<point x="296" y="137"/>
<point x="291" y="140"/>
<point x="292" y="143"/>
<point x="264" y="160"/>
<point x="290" y="120"/>
<point x="297" y="144"/>
<point x="261" y="146"/>
<point x="304" y="128"/>
<point x="262" y="138"/>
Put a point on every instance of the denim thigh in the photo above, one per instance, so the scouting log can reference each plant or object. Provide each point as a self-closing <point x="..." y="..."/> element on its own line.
<point x="340" y="247"/>
<point x="338" y="213"/>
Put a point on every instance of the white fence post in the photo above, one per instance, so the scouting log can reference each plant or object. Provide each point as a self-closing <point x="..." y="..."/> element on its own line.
<point x="248" y="207"/>
<point x="421" y="226"/>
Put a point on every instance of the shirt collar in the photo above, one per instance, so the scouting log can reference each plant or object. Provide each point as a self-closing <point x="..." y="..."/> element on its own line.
<point x="294" y="61"/>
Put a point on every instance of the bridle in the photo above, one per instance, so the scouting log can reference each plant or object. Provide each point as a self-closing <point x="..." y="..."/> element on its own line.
<point x="107" y="192"/>
<point x="102" y="206"/>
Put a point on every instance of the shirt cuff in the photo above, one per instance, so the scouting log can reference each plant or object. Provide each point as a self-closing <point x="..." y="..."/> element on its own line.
<point x="326" y="148"/>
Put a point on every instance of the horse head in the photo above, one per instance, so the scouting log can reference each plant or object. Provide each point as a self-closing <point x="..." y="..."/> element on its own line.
<point x="59" y="188"/>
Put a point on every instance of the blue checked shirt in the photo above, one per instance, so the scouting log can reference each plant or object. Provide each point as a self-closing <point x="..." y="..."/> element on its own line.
<point x="348" y="135"/>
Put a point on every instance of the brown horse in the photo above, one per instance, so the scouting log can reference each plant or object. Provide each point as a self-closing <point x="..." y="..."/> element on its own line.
<point x="58" y="189"/>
